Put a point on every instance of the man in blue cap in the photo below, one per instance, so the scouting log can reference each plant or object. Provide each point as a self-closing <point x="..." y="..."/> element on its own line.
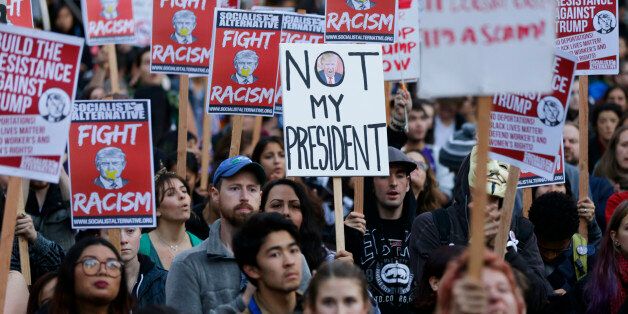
<point x="206" y="278"/>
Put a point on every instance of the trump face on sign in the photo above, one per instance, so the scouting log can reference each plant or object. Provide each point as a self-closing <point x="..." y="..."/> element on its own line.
<point x="360" y="4"/>
<point x="184" y="22"/>
<point x="245" y="63"/>
<point x="110" y="162"/>
<point x="327" y="66"/>
<point x="109" y="9"/>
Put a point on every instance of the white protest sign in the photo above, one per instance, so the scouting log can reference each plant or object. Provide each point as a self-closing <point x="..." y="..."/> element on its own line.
<point x="334" y="115"/>
<point x="486" y="48"/>
<point x="401" y="59"/>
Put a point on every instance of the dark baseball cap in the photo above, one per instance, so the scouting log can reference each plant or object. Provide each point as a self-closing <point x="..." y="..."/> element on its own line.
<point x="396" y="157"/>
<point x="231" y="166"/>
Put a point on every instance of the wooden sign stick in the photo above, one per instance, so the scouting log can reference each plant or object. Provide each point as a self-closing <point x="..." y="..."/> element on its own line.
<point x="25" y="262"/>
<point x="207" y="143"/>
<point x="236" y="135"/>
<point x="387" y="89"/>
<point x="113" y="68"/>
<point x="506" y="210"/>
<point x="583" y="163"/>
<point x="114" y="237"/>
<point x="45" y="16"/>
<point x="358" y="195"/>
<point x="182" y="142"/>
<point x="527" y="201"/>
<point x="14" y="193"/>
<point x="257" y="130"/>
<point x="478" y="214"/>
<point x="339" y="214"/>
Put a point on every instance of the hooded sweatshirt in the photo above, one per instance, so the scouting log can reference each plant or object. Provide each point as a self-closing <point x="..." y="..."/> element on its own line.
<point x="382" y="253"/>
<point x="425" y="237"/>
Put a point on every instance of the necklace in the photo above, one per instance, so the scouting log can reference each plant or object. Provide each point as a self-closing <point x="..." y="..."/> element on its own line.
<point x="173" y="247"/>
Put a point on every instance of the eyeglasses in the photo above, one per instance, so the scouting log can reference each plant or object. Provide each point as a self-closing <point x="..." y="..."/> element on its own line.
<point x="91" y="266"/>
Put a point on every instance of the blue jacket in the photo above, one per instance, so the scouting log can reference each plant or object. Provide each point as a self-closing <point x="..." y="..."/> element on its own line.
<point x="150" y="285"/>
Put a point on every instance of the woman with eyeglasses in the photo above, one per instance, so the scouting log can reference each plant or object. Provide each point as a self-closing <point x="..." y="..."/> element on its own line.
<point x="424" y="185"/>
<point x="91" y="280"/>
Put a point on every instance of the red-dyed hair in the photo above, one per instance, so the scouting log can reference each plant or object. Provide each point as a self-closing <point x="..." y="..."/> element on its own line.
<point x="457" y="268"/>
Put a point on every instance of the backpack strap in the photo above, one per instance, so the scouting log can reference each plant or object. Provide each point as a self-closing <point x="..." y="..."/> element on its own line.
<point x="441" y="220"/>
<point x="579" y="244"/>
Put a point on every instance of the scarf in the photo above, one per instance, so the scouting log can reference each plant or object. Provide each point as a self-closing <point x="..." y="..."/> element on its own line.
<point x="622" y="265"/>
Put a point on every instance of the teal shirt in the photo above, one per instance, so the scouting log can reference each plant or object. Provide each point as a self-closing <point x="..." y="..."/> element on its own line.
<point x="147" y="248"/>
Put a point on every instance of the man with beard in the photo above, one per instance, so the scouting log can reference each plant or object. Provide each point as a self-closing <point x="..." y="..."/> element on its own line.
<point x="207" y="279"/>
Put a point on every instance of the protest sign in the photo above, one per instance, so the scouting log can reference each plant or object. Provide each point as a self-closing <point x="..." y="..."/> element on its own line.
<point x="401" y="59"/>
<point x="539" y="164"/>
<point x="244" y="62"/>
<point x="111" y="165"/>
<point x="38" y="77"/>
<point x="534" y="122"/>
<point x="182" y="36"/>
<point x="502" y="47"/>
<point x="108" y="21"/>
<point x="335" y="116"/>
<point x="143" y="12"/>
<point x="530" y="179"/>
<point x="299" y="28"/>
<point x="277" y="9"/>
<point x="17" y="13"/>
<point x="229" y="4"/>
<point x="590" y="31"/>
<point x="354" y="21"/>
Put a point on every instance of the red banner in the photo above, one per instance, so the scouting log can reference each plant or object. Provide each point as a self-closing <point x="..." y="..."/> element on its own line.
<point x="245" y="62"/>
<point x="182" y="36"/>
<point x="354" y="21"/>
<point x="111" y="168"/>
<point x="108" y="21"/>
<point x="19" y="13"/>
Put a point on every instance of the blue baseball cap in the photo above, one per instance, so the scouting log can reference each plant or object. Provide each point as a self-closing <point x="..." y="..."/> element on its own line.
<point x="230" y="166"/>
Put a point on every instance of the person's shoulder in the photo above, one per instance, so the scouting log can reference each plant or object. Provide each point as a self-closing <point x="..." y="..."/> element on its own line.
<point x="197" y="254"/>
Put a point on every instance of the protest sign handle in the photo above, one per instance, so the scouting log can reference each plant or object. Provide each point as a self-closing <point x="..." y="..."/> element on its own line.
<point x="206" y="147"/>
<point x="14" y="193"/>
<point x="479" y="193"/>
<point x="25" y="263"/>
<point x="257" y="130"/>
<point x="114" y="237"/>
<point x="236" y="135"/>
<point x="113" y="68"/>
<point x="338" y="215"/>
<point x="45" y="16"/>
<point x="527" y="201"/>
<point x="509" y="201"/>
<point x="182" y="142"/>
<point x="583" y="163"/>
<point x="358" y="195"/>
<point x="387" y="89"/>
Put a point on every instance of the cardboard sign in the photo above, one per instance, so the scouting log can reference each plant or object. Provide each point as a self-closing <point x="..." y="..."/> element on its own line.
<point x="299" y="28"/>
<point x="355" y="21"/>
<point x="111" y="164"/>
<point x="38" y="75"/>
<point x="483" y="49"/>
<point x="108" y="21"/>
<point x="335" y="115"/>
<point x="18" y="13"/>
<point x="244" y="64"/>
<point x="143" y="12"/>
<point x="530" y="179"/>
<point x="590" y="31"/>
<point x="182" y="36"/>
<point x="401" y="59"/>
<point x="534" y="122"/>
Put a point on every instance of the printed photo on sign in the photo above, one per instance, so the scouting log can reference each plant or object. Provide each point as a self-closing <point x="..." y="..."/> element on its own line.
<point x="181" y="36"/>
<point x="108" y="21"/>
<point x="590" y="31"/>
<point x="355" y="21"/>
<point x="16" y="12"/>
<point x="110" y="160"/>
<point x="334" y="116"/>
<point x="38" y="80"/>
<point x="243" y="77"/>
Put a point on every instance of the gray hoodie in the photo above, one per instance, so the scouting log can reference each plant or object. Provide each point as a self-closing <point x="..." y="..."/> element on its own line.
<point x="207" y="279"/>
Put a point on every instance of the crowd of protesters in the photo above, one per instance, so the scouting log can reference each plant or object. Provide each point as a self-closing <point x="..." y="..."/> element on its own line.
<point x="255" y="241"/>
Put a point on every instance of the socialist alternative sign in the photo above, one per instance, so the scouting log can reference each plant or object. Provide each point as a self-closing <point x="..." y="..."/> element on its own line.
<point x="108" y="21"/>
<point x="334" y="115"/>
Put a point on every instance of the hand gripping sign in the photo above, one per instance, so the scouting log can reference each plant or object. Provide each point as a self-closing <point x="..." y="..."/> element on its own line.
<point x="111" y="164"/>
<point x="182" y="36"/>
<point x="108" y="21"/>
<point x="334" y="115"/>
<point x="482" y="49"/>
<point x="245" y="59"/>
<point x="354" y="21"/>
<point x="590" y="31"/>
<point x="16" y="12"/>
<point x="38" y="74"/>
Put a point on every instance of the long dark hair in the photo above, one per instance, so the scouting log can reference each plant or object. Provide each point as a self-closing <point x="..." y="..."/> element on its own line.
<point x="427" y="200"/>
<point x="435" y="266"/>
<point x="311" y="241"/>
<point x="261" y="146"/>
<point x="64" y="298"/>
<point x="35" y="291"/>
<point x="603" y="286"/>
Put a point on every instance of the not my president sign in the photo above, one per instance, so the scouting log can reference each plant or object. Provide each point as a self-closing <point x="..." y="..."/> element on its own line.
<point x="334" y="115"/>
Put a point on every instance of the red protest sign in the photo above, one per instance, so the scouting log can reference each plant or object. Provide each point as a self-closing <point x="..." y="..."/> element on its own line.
<point x="19" y="13"/>
<point x="299" y="28"/>
<point x="245" y="62"/>
<point x="182" y="36"/>
<point x="530" y="179"/>
<point x="229" y="4"/>
<point x="38" y="75"/>
<point x="108" y="21"/>
<point x="111" y="164"/>
<point x="590" y="31"/>
<point x="371" y="21"/>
